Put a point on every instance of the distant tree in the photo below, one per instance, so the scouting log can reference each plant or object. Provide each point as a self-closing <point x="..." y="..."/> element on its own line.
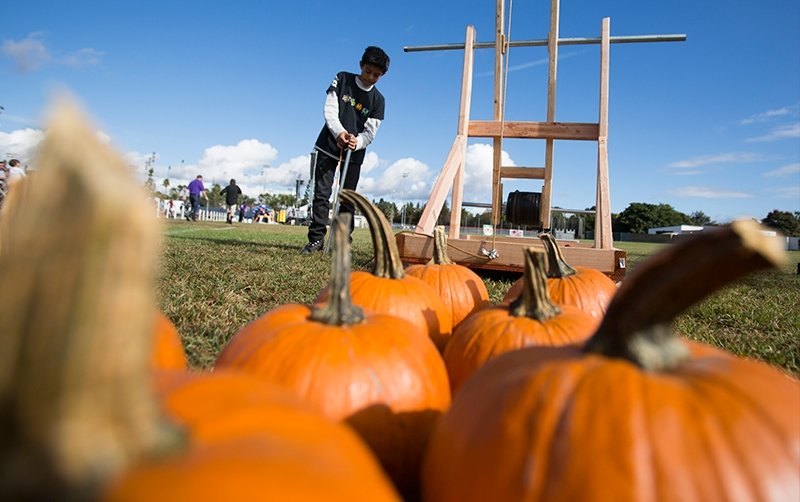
<point x="389" y="209"/>
<point x="278" y="201"/>
<point x="783" y="221"/>
<point x="149" y="183"/>
<point x="214" y="196"/>
<point x="444" y="215"/>
<point x="700" y="219"/>
<point x="640" y="216"/>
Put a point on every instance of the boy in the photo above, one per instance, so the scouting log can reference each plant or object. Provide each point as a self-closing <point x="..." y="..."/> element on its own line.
<point x="353" y="113"/>
<point x="231" y="193"/>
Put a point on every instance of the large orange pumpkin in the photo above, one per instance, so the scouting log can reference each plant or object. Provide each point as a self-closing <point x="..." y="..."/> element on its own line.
<point x="633" y="414"/>
<point x="250" y="440"/>
<point x="387" y="289"/>
<point x="584" y="287"/>
<point x="379" y="372"/>
<point x="461" y="289"/>
<point x="531" y="320"/>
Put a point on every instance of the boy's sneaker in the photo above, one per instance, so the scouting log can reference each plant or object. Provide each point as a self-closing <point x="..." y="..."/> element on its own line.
<point x="312" y="247"/>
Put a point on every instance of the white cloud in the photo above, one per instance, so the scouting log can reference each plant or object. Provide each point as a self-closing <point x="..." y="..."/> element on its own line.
<point x="405" y="179"/>
<point x="31" y="53"/>
<point x="478" y="172"/>
<point x="787" y="192"/>
<point x="790" y="131"/>
<point x="783" y="171"/>
<point x="708" y="193"/>
<point x="82" y="58"/>
<point x="21" y="144"/>
<point x="722" y="158"/>
<point x="771" y="114"/>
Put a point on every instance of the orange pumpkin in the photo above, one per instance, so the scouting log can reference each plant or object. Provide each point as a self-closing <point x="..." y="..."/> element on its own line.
<point x="379" y="372"/>
<point x="633" y="414"/>
<point x="387" y="289"/>
<point x="461" y="289"/>
<point x="531" y="320"/>
<point x="584" y="287"/>
<point x="250" y="440"/>
<point x="168" y="353"/>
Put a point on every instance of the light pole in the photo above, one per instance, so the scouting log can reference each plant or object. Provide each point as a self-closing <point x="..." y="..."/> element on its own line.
<point x="403" y="213"/>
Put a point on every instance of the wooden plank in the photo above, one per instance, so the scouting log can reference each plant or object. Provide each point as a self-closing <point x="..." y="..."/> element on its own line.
<point x="463" y="122"/>
<point x="532" y="173"/>
<point x="534" y="130"/>
<point x="499" y="110"/>
<point x="603" y="235"/>
<point x="416" y="248"/>
<point x="442" y="186"/>
<point x="549" y="149"/>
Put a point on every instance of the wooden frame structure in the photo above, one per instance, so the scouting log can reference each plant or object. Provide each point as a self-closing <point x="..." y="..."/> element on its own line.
<point x="507" y="253"/>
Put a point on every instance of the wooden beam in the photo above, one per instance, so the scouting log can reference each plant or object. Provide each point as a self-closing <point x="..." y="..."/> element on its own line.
<point x="531" y="173"/>
<point x="499" y="108"/>
<point x="417" y="248"/>
<point x="463" y="124"/>
<point x="441" y="187"/>
<point x="603" y="235"/>
<point x="533" y="130"/>
<point x="549" y="149"/>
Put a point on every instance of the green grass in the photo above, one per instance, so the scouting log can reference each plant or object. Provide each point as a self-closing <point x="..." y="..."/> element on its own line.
<point x="215" y="278"/>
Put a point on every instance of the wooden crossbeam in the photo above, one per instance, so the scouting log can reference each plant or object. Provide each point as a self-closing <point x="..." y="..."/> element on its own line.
<point x="519" y="172"/>
<point x="534" y="130"/>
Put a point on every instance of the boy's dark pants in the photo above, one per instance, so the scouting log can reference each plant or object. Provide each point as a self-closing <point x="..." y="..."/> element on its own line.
<point x="324" y="173"/>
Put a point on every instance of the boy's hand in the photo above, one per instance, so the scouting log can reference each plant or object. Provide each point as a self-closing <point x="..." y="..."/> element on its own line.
<point x="347" y="140"/>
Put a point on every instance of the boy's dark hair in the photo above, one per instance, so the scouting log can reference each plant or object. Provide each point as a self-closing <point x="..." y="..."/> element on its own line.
<point x="376" y="57"/>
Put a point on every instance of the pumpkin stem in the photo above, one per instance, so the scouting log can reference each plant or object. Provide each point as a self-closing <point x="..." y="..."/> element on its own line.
<point x="638" y="323"/>
<point x="440" y="256"/>
<point x="76" y="402"/>
<point x="534" y="300"/>
<point x="387" y="257"/>
<point x="339" y="309"/>
<point x="557" y="266"/>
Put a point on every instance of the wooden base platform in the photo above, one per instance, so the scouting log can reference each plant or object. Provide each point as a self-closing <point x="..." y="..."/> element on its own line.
<point x="467" y="251"/>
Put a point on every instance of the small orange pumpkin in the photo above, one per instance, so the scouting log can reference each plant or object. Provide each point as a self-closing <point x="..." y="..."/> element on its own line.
<point x="633" y="414"/>
<point x="584" y="287"/>
<point x="461" y="289"/>
<point x="387" y="289"/>
<point x="531" y="320"/>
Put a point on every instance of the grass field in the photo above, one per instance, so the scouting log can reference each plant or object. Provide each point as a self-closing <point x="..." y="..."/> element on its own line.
<point x="215" y="278"/>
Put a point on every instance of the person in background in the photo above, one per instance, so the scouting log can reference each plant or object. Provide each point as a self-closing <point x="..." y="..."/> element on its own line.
<point x="353" y="112"/>
<point x="242" y="212"/>
<point x="196" y="190"/>
<point x="15" y="172"/>
<point x="231" y="193"/>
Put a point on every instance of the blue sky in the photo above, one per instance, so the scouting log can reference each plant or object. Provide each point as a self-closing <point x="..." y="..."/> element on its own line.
<point x="235" y="89"/>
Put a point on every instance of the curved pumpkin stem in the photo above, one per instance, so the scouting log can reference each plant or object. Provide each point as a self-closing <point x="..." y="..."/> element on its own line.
<point x="76" y="402"/>
<point x="440" y="256"/>
<point x="557" y="266"/>
<point x="638" y="323"/>
<point x="534" y="300"/>
<point x="387" y="257"/>
<point x="339" y="309"/>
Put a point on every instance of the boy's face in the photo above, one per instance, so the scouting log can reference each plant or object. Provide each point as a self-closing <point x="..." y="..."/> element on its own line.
<point x="370" y="74"/>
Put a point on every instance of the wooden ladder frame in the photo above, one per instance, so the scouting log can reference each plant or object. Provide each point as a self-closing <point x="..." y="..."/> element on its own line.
<point x="471" y="250"/>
